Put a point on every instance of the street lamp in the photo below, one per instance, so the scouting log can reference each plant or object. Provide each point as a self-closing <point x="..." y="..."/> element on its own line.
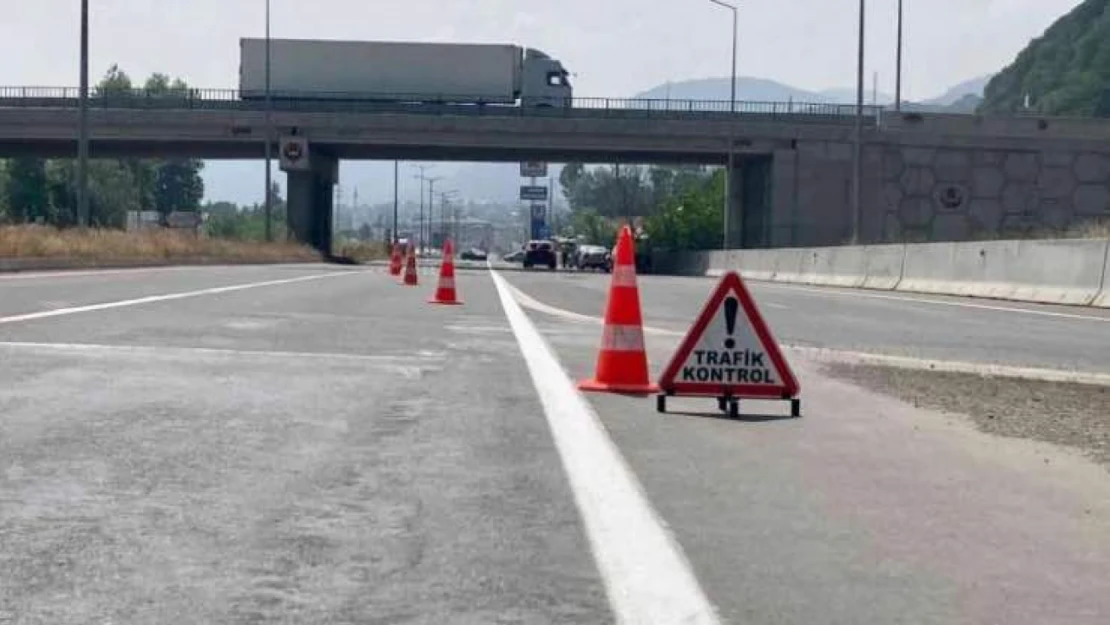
<point x="857" y="152"/>
<point x="422" y="178"/>
<point x="735" y="26"/>
<point x="732" y="109"/>
<point x="898" y="64"/>
<point x="269" y="136"/>
<point x="83" y="123"/>
<point x="396" y="199"/>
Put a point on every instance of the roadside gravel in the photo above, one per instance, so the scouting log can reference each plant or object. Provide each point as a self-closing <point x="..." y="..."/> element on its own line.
<point x="1074" y="415"/>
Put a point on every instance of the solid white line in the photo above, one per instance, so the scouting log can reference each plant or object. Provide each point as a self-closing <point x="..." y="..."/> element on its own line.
<point x="646" y="574"/>
<point x="78" y="273"/>
<point x="173" y="350"/>
<point x="925" y="300"/>
<point x="58" y="312"/>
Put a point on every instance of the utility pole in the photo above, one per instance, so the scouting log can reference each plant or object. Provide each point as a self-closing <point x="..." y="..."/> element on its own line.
<point x="898" y="64"/>
<point x="396" y="197"/>
<point x="422" y="178"/>
<point x="431" y="200"/>
<point x="857" y="156"/>
<point x="83" y="124"/>
<point x="269" y="138"/>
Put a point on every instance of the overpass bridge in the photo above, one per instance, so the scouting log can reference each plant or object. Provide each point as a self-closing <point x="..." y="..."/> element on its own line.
<point x="791" y="161"/>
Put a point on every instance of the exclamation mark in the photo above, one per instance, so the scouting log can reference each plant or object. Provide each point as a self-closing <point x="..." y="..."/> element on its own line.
<point x="731" y="306"/>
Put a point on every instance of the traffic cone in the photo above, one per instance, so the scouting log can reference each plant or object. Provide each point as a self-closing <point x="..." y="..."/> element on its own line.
<point x="622" y="365"/>
<point x="395" y="261"/>
<point x="410" y="278"/>
<point x="445" y="290"/>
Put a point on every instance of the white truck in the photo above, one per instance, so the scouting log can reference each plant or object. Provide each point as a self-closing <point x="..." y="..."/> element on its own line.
<point x="452" y="73"/>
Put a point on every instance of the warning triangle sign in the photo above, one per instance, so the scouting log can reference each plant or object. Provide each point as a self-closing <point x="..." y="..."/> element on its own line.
<point x="729" y="351"/>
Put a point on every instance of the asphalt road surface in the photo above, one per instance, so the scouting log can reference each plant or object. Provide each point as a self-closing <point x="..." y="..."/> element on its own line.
<point x="311" y="444"/>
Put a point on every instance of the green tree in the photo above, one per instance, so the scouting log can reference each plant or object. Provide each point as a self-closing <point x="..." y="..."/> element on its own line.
<point x="26" y="190"/>
<point x="178" y="186"/>
<point x="1064" y="72"/>
<point x="691" y="220"/>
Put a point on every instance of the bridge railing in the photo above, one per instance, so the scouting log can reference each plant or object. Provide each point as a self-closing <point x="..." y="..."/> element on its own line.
<point x="446" y="104"/>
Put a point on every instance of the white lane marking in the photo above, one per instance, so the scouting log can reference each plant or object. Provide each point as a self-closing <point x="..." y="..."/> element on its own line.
<point x="58" y="312"/>
<point x="830" y="292"/>
<point x="646" y="574"/>
<point x="80" y="273"/>
<point x="177" y="351"/>
<point x="827" y="354"/>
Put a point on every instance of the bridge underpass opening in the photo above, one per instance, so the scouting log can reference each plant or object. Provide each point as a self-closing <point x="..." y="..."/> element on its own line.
<point x="319" y="199"/>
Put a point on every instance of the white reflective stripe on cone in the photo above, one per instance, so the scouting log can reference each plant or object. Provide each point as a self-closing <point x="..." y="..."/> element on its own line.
<point x="624" y="275"/>
<point x="446" y="283"/>
<point x="617" y="338"/>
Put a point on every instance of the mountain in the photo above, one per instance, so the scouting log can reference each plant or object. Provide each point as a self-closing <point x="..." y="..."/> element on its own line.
<point x="959" y="92"/>
<point x="1065" y="71"/>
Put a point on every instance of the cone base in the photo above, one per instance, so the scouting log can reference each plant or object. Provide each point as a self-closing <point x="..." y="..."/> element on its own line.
<point x="446" y="302"/>
<point x="596" y="386"/>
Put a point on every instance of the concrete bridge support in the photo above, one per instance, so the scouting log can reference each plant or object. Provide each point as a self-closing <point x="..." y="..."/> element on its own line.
<point x="310" y="199"/>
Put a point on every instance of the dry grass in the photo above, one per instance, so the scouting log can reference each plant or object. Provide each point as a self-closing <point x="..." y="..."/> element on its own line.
<point x="155" y="245"/>
<point x="1094" y="229"/>
<point x="362" y="251"/>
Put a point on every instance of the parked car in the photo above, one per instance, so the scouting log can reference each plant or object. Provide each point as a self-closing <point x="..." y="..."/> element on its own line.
<point x="593" y="257"/>
<point x="540" y="253"/>
<point x="474" y="254"/>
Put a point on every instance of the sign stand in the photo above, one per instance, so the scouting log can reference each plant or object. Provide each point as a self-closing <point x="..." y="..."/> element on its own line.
<point x="729" y="353"/>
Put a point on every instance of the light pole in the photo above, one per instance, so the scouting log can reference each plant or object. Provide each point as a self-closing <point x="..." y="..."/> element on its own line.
<point x="422" y="178"/>
<point x="83" y="124"/>
<point x="857" y="152"/>
<point x="269" y="136"/>
<point x="431" y="200"/>
<point x="732" y="109"/>
<point x="396" y="199"/>
<point x="735" y="27"/>
<point x="898" y="64"/>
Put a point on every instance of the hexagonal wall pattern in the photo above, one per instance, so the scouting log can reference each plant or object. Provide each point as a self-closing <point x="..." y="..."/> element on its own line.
<point x="987" y="181"/>
<point x="952" y="165"/>
<point x="1021" y="166"/>
<point x="1091" y="200"/>
<point x="985" y="213"/>
<point x="951" y="227"/>
<point x="916" y="212"/>
<point x="1092" y="168"/>
<point x="1056" y="182"/>
<point x="1020" y="198"/>
<point x="918" y="181"/>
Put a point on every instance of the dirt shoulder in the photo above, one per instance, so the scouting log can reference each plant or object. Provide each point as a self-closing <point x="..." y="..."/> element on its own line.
<point x="1074" y="415"/>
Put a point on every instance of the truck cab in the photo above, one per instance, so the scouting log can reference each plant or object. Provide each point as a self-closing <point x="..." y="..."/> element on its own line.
<point x="545" y="83"/>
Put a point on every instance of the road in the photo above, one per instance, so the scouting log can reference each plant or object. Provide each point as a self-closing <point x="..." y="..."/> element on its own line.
<point x="317" y="444"/>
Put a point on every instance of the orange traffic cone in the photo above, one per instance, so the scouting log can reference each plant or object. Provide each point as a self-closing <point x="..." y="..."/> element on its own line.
<point x="395" y="261"/>
<point x="622" y="365"/>
<point x="445" y="290"/>
<point x="410" y="278"/>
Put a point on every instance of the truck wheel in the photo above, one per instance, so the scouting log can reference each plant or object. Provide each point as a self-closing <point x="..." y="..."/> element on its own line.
<point x="527" y="265"/>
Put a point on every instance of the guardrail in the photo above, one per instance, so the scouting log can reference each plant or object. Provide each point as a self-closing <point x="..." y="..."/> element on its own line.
<point x="1053" y="271"/>
<point x="231" y="99"/>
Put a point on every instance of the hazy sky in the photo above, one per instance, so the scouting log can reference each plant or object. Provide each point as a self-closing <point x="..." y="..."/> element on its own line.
<point x="615" y="47"/>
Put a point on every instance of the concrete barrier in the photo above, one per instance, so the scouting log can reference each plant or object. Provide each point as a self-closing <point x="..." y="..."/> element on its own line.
<point x="1049" y="271"/>
<point x="1103" y="298"/>
<point x="1064" y="271"/>
<point x="884" y="266"/>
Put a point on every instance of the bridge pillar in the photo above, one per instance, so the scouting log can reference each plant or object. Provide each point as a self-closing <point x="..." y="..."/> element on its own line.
<point x="309" y="202"/>
<point x="750" y="201"/>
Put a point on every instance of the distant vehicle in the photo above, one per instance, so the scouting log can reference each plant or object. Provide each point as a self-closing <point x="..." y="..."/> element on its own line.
<point x="514" y="257"/>
<point x="540" y="253"/>
<point x="474" y="254"/>
<point x="451" y="73"/>
<point x="593" y="257"/>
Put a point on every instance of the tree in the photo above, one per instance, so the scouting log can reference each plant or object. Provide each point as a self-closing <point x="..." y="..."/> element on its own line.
<point x="178" y="186"/>
<point x="26" y="190"/>
<point x="114" y="82"/>
<point x="691" y="220"/>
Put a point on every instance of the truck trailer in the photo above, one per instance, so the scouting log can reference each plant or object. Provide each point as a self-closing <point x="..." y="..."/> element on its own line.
<point x="445" y="73"/>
